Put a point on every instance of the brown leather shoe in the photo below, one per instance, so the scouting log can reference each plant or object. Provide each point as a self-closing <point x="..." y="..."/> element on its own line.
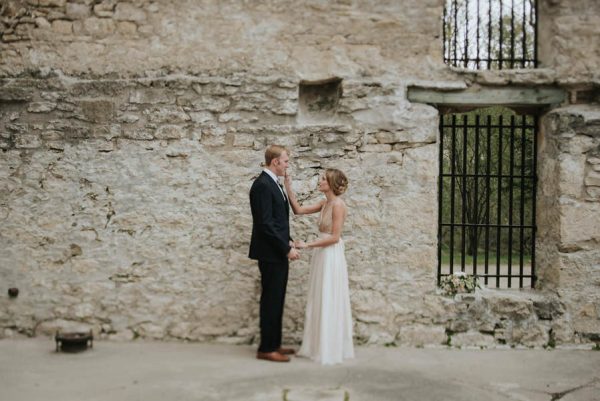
<point x="272" y="356"/>
<point x="286" y="351"/>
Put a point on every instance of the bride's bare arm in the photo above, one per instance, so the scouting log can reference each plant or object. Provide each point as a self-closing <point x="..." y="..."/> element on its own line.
<point x="339" y="215"/>
<point x="296" y="207"/>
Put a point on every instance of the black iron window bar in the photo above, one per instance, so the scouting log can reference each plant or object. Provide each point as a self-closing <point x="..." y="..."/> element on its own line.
<point x="488" y="177"/>
<point x="490" y="34"/>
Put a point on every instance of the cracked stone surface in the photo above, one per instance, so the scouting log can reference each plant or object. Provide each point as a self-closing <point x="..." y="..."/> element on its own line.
<point x="149" y="371"/>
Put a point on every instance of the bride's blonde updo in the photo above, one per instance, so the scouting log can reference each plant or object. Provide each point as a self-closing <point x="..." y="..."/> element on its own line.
<point x="337" y="181"/>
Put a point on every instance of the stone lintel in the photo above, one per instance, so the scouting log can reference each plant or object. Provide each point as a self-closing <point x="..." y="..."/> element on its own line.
<point x="485" y="96"/>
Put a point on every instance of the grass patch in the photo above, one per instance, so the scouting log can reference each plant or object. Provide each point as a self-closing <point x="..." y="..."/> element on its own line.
<point x="449" y="335"/>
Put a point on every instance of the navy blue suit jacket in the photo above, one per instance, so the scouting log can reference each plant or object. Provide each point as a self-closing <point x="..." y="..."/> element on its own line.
<point x="270" y="221"/>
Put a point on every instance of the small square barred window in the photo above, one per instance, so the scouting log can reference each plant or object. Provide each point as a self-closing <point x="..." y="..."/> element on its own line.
<point x="490" y="34"/>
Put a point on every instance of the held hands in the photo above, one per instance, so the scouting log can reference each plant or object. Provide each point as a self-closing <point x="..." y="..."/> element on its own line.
<point x="293" y="254"/>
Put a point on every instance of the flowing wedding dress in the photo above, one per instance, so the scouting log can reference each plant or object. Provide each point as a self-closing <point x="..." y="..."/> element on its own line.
<point x="327" y="334"/>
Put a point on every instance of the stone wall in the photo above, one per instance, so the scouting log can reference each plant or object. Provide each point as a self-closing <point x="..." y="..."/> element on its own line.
<point x="569" y="197"/>
<point x="131" y="200"/>
<point x="574" y="61"/>
<point x="312" y="39"/>
<point x="130" y="133"/>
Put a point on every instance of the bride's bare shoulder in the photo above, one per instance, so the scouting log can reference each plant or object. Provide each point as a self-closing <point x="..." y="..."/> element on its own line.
<point x="340" y="202"/>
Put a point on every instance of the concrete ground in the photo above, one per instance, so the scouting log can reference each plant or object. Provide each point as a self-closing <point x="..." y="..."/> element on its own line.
<point x="31" y="370"/>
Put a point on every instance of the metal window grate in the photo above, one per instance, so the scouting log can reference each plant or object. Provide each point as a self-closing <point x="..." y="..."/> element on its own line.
<point x="487" y="186"/>
<point x="490" y="34"/>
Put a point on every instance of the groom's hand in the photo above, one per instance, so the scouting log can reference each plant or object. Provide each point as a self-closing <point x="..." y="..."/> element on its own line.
<point x="293" y="254"/>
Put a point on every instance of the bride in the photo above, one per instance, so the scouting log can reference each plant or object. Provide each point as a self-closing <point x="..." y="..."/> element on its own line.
<point x="327" y="334"/>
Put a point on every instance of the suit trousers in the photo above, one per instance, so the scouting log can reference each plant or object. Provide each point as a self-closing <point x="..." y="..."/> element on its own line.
<point x="273" y="278"/>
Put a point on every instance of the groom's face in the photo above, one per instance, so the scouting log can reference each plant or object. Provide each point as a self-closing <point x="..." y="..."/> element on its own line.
<point x="281" y="164"/>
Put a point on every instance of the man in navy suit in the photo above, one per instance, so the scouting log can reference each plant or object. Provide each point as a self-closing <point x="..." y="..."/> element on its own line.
<point x="272" y="247"/>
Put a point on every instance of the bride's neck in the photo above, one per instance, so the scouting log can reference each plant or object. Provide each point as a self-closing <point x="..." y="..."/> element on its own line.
<point x="330" y="196"/>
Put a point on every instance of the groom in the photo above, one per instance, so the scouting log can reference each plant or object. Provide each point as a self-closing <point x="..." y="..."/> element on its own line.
<point x="271" y="246"/>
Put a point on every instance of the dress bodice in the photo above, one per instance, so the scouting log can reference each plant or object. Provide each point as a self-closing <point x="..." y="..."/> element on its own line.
<point x="326" y="215"/>
<point x="326" y="219"/>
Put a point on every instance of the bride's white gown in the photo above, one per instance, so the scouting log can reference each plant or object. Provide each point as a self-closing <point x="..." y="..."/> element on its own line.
<point x="327" y="334"/>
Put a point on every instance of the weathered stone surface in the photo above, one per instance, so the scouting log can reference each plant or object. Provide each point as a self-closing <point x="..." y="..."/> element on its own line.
<point x="421" y="335"/>
<point x="27" y="141"/>
<point x="578" y="222"/>
<point x="130" y="132"/>
<point x="548" y="309"/>
<point x="201" y="116"/>
<point x="472" y="339"/>
<point x="202" y="41"/>
<point x="152" y="96"/>
<point x="513" y="307"/>
<point x="166" y="115"/>
<point x="62" y="27"/>
<point x="97" y="27"/>
<point x="43" y="23"/>
<point x="211" y="103"/>
<point x="50" y="328"/>
<point x="105" y="8"/>
<point x="125" y="335"/>
<point x="15" y="94"/>
<point x="78" y="11"/>
<point x="129" y="12"/>
<point x="128" y="118"/>
<point x="592" y="178"/>
<point x="137" y="133"/>
<point x="170" y="132"/>
<point x="98" y="111"/>
<point x="572" y="168"/>
<point x="127" y="28"/>
<point x="245" y="140"/>
<point x="534" y="336"/>
<point x="41" y="107"/>
<point x="375" y="148"/>
<point x="52" y="3"/>
<point x="570" y="21"/>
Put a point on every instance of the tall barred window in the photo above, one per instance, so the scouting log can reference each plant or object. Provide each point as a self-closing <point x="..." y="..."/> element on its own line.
<point x="487" y="193"/>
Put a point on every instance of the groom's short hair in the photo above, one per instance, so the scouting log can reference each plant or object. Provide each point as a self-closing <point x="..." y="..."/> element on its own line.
<point x="273" y="152"/>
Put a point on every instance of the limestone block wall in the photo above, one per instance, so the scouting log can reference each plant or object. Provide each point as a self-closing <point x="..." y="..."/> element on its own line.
<point x="574" y="62"/>
<point x="316" y="39"/>
<point x="569" y="220"/>
<point x="126" y="204"/>
<point x="130" y="132"/>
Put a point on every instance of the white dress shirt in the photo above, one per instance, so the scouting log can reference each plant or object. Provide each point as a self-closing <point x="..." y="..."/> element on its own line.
<point x="274" y="177"/>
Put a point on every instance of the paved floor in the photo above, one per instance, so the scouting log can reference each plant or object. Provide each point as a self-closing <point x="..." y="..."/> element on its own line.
<point x="31" y="370"/>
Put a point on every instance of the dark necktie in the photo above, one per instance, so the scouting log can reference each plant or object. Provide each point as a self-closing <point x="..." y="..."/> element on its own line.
<point x="282" y="191"/>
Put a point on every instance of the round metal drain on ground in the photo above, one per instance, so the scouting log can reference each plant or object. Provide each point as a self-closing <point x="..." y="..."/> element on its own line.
<point x="74" y="341"/>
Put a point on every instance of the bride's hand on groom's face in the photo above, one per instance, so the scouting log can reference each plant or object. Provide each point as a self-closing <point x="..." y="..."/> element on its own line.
<point x="287" y="179"/>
